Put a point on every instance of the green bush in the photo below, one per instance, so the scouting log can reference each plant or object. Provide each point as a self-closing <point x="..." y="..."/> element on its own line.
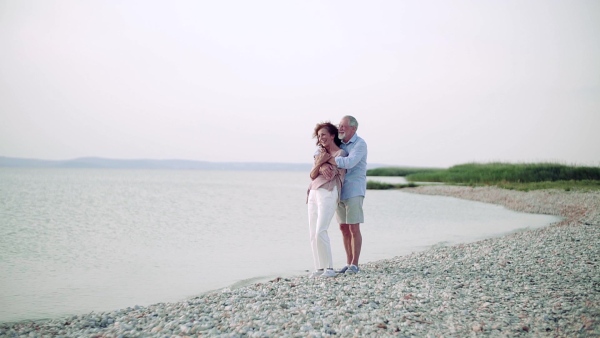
<point x="492" y="173"/>
<point x="376" y="185"/>
<point x="397" y="171"/>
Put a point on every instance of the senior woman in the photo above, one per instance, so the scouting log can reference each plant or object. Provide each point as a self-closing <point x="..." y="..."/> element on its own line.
<point x="323" y="197"/>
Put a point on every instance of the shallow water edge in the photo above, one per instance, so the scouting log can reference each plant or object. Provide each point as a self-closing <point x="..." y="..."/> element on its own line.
<point x="542" y="282"/>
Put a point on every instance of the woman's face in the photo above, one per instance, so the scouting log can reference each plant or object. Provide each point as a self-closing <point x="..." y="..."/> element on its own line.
<point x="325" y="138"/>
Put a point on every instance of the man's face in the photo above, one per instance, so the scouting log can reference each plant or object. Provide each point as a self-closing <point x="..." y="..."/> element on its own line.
<point x="345" y="130"/>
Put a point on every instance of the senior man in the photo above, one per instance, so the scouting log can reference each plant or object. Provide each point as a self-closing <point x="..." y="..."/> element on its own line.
<point x="349" y="212"/>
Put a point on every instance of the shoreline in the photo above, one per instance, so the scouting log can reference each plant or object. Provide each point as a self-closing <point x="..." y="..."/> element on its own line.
<point x="541" y="282"/>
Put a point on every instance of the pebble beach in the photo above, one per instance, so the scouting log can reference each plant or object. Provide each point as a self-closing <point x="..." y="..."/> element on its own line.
<point x="539" y="283"/>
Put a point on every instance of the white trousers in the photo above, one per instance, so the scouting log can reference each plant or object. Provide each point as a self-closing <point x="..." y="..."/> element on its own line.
<point x="322" y="204"/>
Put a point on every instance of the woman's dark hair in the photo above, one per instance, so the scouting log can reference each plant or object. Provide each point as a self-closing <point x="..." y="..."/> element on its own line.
<point x="331" y="129"/>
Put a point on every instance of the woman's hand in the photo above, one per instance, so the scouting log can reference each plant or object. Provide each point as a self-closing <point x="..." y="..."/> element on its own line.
<point x="327" y="172"/>
<point x="322" y="157"/>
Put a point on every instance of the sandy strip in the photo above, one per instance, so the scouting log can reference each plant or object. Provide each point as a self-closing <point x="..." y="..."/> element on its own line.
<point x="541" y="283"/>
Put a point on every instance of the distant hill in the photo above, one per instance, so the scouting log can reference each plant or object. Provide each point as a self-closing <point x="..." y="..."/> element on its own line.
<point x="96" y="162"/>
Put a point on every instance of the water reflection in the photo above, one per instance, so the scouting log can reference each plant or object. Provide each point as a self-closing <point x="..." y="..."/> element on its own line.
<point x="75" y="241"/>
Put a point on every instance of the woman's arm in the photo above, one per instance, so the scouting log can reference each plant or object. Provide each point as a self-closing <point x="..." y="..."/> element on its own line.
<point x="330" y="167"/>
<point x="327" y="169"/>
<point x="319" y="161"/>
<point x="314" y="172"/>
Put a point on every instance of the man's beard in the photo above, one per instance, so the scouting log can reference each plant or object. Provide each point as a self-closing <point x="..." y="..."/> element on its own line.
<point x="341" y="135"/>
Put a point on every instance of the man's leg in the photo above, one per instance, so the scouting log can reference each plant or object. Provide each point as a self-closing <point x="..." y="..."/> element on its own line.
<point x="356" y="242"/>
<point x="354" y="216"/>
<point x="347" y="237"/>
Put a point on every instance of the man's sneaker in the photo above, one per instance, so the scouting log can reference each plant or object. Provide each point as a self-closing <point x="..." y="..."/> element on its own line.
<point x="328" y="273"/>
<point x="343" y="270"/>
<point x="353" y="269"/>
<point x="315" y="274"/>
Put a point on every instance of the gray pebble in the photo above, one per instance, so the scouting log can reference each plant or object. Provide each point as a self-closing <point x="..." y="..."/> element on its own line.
<point x="541" y="282"/>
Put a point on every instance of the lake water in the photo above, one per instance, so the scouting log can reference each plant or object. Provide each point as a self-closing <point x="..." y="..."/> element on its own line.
<point x="79" y="240"/>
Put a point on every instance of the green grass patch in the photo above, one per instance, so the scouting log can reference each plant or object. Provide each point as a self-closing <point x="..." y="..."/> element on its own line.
<point x="494" y="173"/>
<point x="397" y="171"/>
<point x="376" y="185"/>
<point x="519" y="176"/>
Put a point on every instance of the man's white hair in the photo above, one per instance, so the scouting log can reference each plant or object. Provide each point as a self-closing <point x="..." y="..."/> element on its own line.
<point x="351" y="121"/>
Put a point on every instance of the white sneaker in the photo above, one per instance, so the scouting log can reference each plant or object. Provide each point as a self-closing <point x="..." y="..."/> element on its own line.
<point x="352" y="269"/>
<point x="315" y="274"/>
<point x="328" y="273"/>
<point x="343" y="270"/>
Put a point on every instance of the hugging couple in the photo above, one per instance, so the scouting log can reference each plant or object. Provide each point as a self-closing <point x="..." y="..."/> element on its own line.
<point x="339" y="183"/>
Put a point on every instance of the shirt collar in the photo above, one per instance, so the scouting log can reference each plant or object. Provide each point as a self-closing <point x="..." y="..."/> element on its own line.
<point x="352" y="140"/>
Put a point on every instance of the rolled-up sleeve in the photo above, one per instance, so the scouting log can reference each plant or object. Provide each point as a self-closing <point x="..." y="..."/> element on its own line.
<point x="356" y="154"/>
<point x="355" y="181"/>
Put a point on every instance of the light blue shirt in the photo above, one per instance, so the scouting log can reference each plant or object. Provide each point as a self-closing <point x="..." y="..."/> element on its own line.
<point x="355" y="182"/>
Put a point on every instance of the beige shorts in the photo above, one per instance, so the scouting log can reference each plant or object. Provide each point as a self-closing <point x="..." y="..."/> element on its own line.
<point x="350" y="211"/>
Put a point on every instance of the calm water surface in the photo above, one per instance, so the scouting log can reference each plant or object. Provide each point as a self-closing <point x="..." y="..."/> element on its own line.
<point x="80" y="240"/>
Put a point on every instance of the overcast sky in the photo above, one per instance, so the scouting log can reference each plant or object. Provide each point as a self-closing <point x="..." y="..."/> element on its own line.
<point x="432" y="83"/>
